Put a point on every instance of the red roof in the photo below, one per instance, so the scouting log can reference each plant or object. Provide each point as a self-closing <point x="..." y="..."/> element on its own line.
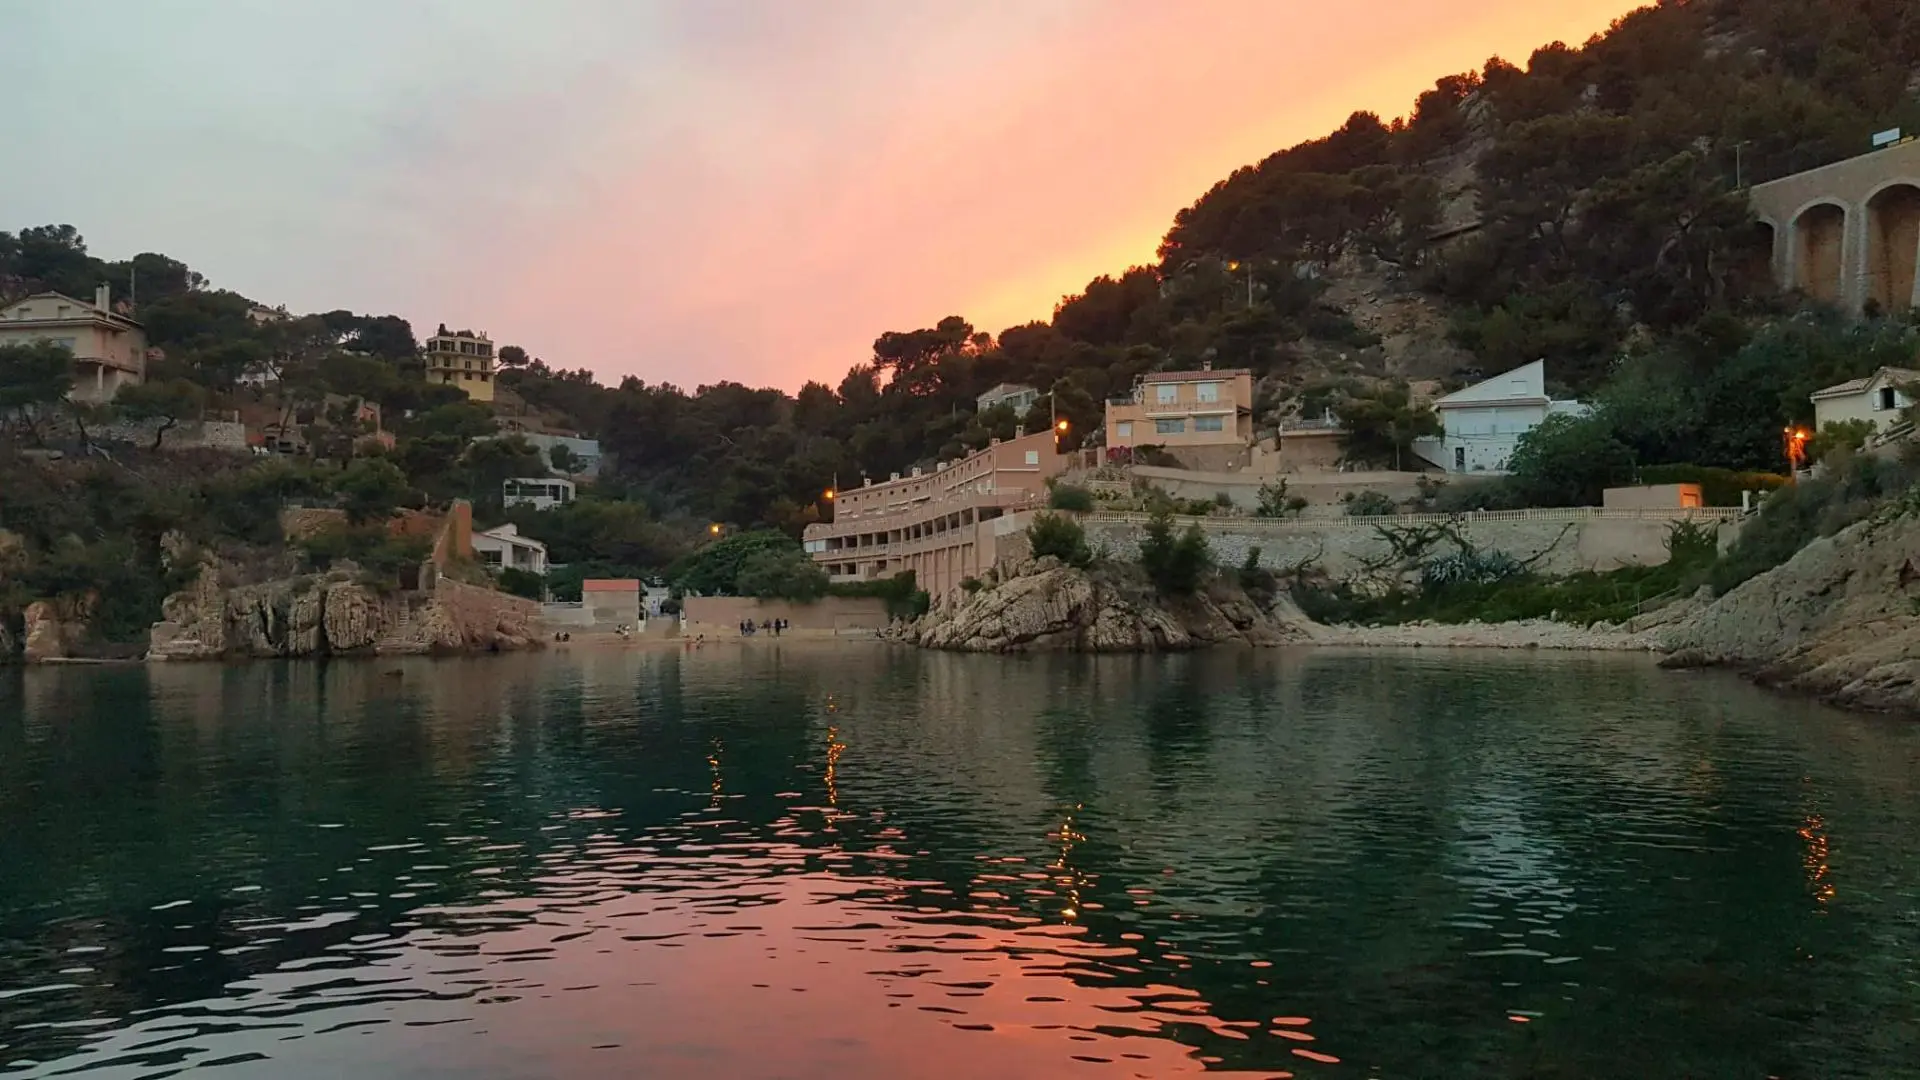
<point x="1194" y="376"/>
<point x="631" y="585"/>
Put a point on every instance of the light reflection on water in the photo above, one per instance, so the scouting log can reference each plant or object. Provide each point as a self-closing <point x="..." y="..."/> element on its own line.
<point x="803" y="862"/>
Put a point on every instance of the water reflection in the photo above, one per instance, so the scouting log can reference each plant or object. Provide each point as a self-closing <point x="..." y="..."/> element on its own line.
<point x="795" y="861"/>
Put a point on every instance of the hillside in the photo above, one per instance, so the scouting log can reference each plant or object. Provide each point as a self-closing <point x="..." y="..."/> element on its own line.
<point x="1581" y="207"/>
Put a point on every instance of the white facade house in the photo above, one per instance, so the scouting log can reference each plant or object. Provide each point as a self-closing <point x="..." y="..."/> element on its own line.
<point x="539" y="492"/>
<point x="1484" y="422"/>
<point x="504" y="547"/>
<point x="1019" y="398"/>
<point x="1878" y="399"/>
<point x="586" y="452"/>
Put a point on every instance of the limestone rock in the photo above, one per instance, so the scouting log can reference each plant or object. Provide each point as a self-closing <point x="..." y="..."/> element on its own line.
<point x="1043" y="605"/>
<point x="334" y="614"/>
<point x="1841" y="619"/>
<point x="53" y="629"/>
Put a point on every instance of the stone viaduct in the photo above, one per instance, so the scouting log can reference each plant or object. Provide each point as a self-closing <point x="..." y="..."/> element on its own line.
<point x="1849" y="233"/>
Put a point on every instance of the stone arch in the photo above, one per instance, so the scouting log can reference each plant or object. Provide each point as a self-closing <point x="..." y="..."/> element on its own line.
<point x="1759" y="258"/>
<point x="1819" y="251"/>
<point x="1893" y="246"/>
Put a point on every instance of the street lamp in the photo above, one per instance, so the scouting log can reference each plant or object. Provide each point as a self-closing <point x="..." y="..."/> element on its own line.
<point x="713" y="529"/>
<point x="1796" y="443"/>
<point x="1234" y="267"/>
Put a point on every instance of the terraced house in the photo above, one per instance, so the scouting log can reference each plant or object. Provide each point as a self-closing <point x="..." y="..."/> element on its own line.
<point x="1204" y="418"/>
<point x="946" y="525"/>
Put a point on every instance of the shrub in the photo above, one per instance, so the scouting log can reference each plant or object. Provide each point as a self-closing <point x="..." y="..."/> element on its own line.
<point x="1061" y="537"/>
<point x="1469" y="568"/>
<point x="1800" y="513"/>
<point x="1253" y="576"/>
<point x="1195" y="507"/>
<point x="1480" y="495"/>
<point x="1070" y="497"/>
<point x="1275" y="502"/>
<point x="1156" y="456"/>
<point x="1222" y="500"/>
<point x="521" y="582"/>
<point x="1719" y="487"/>
<point x="902" y="593"/>
<point x="1569" y="461"/>
<point x="971" y="585"/>
<point x="1692" y="543"/>
<point x="1175" y="564"/>
<point x="781" y="575"/>
<point x="1370" y="504"/>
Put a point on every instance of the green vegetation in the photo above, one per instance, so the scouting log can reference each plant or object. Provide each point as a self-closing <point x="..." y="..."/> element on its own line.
<point x="1175" y="564"/>
<point x="1851" y="490"/>
<point x="1061" y="537"/>
<point x="1274" y="502"/>
<point x="902" y="592"/>
<point x="1070" y="497"/>
<point x="716" y="570"/>
<point x="1369" y="504"/>
<point x="1466" y="585"/>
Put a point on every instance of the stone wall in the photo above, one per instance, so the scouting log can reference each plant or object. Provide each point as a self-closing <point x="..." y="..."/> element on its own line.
<point x="1555" y="543"/>
<point x="720" y="615"/>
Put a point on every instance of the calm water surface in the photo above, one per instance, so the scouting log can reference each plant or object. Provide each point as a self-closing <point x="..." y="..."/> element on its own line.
<point x="793" y="861"/>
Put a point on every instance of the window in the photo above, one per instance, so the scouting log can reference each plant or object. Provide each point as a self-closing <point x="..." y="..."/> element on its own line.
<point x="1209" y="391"/>
<point x="1124" y="430"/>
<point x="1169" y="427"/>
<point x="1166" y="393"/>
<point x="1886" y="398"/>
<point x="1033" y="457"/>
<point x="1460" y="459"/>
<point x="491" y="558"/>
<point x="1209" y="423"/>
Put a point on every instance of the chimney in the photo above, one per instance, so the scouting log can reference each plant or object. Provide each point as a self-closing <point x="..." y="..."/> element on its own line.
<point x="103" y="297"/>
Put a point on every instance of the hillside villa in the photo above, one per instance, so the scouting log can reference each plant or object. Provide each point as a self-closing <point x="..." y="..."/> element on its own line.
<point x="109" y="349"/>
<point x="1013" y="395"/>
<point x="464" y="359"/>
<point x="943" y="525"/>
<point x="1204" y="418"/>
<point x="1484" y="422"/>
<point x="504" y="547"/>
<point x="1879" y="399"/>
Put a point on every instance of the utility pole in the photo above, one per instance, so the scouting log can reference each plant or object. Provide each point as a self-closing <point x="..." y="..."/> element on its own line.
<point x="1739" y="166"/>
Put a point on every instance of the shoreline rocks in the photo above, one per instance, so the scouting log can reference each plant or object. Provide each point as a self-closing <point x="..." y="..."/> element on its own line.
<point x="1839" y="621"/>
<point x="334" y="614"/>
<point x="1042" y="605"/>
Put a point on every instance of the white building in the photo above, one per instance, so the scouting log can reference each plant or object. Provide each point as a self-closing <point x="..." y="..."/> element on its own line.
<point x="504" y="547"/>
<point x="1877" y="399"/>
<point x="1484" y="422"/>
<point x="539" y="492"/>
<point x="586" y="452"/>
<point x="1019" y="398"/>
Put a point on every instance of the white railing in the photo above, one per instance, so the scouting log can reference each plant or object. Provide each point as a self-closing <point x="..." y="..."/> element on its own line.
<point x="1574" y="514"/>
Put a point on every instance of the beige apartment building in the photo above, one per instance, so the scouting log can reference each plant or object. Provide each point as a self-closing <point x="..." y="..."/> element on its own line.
<point x="463" y="359"/>
<point x="1204" y="418"/>
<point x="945" y="525"/>
<point x="109" y="350"/>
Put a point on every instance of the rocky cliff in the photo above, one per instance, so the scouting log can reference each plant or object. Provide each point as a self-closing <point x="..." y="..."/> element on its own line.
<point x="1840" y="620"/>
<point x="335" y="614"/>
<point x="1042" y="605"/>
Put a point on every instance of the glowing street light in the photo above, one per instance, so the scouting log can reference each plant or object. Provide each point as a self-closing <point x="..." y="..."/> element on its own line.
<point x="714" y="529"/>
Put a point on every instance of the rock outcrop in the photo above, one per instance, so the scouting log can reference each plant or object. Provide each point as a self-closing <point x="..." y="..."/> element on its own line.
<point x="1840" y="620"/>
<point x="335" y="614"/>
<point x="1044" y="606"/>
<point x="54" y="629"/>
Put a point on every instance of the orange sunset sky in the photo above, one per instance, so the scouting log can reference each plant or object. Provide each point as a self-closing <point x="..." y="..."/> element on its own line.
<point x="689" y="192"/>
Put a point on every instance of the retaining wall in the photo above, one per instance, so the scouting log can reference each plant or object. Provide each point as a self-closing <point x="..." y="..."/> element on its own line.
<point x="1555" y="542"/>
<point x="721" y="615"/>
